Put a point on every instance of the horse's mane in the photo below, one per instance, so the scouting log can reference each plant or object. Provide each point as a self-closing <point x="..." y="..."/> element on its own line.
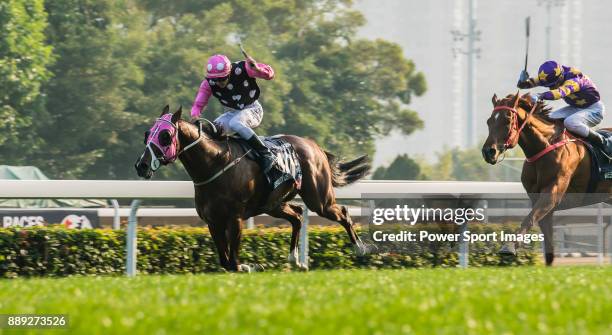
<point x="542" y="110"/>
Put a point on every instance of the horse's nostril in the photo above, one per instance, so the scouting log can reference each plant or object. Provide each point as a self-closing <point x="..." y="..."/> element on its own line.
<point x="488" y="153"/>
<point x="141" y="166"/>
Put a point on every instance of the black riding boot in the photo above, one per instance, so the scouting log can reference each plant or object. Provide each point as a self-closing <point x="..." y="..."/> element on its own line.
<point x="599" y="141"/>
<point x="266" y="159"/>
<point x="596" y="139"/>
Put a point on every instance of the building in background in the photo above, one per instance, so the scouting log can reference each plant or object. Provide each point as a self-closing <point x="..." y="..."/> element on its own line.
<point x="423" y="29"/>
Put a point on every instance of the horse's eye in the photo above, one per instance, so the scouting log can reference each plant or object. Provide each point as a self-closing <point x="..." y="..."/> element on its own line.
<point x="165" y="139"/>
<point x="147" y="133"/>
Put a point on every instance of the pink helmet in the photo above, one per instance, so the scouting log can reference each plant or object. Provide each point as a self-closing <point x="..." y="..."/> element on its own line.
<point x="218" y="66"/>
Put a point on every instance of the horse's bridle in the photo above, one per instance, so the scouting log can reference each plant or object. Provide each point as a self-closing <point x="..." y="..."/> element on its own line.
<point x="156" y="162"/>
<point x="515" y="130"/>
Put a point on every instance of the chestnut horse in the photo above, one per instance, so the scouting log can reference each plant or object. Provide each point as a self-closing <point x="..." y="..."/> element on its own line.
<point x="229" y="189"/>
<point x="557" y="171"/>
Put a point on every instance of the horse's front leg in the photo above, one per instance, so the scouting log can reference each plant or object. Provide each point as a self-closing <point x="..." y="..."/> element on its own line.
<point x="546" y="226"/>
<point x="234" y="234"/>
<point x="216" y="227"/>
<point x="547" y="200"/>
<point x="218" y="235"/>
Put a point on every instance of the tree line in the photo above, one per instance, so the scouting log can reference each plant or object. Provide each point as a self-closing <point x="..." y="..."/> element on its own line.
<point x="452" y="164"/>
<point x="80" y="80"/>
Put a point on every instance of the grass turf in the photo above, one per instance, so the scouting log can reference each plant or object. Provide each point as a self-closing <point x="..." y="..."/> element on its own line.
<point x="564" y="300"/>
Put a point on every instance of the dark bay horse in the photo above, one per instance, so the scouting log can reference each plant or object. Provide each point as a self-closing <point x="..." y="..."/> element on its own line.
<point x="557" y="171"/>
<point x="229" y="189"/>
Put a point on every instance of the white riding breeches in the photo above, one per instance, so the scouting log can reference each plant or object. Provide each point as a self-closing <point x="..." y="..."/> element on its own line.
<point x="580" y="120"/>
<point x="241" y="121"/>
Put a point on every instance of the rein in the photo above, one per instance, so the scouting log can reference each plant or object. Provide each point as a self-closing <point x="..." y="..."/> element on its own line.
<point x="225" y="168"/>
<point x="156" y="162"/>
<point x="566" y="139"/>
<point x="515" y="132"/>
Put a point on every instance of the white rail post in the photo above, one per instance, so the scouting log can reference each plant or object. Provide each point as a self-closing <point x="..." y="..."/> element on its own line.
<point x="130" y="258"/>
<point x="562" y="244"/>
<point x="600" y="236"/>
<point x="304" y="239"/>
<point x="608" y="239"/>
<point x="250" y="224"/>
<point x="464" y="249"/>
<point x="116" y="217"/>
<point x="485" y="206"/>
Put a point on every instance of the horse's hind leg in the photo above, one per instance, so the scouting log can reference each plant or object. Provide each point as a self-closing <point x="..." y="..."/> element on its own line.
<point x="546" y="226"/>
<point x="293" y="214"/>
<point x="318" y="195"/>
<point x="340" y="214"/>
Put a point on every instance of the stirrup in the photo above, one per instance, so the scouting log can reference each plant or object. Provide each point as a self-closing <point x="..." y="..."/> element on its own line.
<point x="606" y="153"/>
<point x="266" y="162"/>
<point x="604" y="148"/>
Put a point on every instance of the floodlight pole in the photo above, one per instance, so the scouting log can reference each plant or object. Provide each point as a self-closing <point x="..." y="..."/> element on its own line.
<point x="471" y="75"/>
<point x="472" y="35"/>
<point x="549" y="4"/>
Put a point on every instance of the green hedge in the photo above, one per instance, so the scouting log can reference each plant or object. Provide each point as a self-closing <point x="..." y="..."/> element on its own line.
<point x="62" y="252"/>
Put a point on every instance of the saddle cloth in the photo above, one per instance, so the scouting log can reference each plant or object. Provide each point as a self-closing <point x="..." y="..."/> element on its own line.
<point x="601" y="164"/>
<point x="287" y="166"/>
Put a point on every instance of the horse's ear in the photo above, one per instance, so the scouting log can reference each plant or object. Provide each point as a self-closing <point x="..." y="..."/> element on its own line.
<point x="525" y="96"/>
<point x="517" y="97"/>
<point x="165" y="110"/>
<point x="177" y="115"/>
<point x="494" y="99"/>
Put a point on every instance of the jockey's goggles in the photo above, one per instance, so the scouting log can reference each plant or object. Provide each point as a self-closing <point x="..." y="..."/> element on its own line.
<point x="217" y="80"/>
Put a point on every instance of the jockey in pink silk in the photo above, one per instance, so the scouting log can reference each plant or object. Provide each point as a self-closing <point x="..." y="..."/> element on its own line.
<point x="235" y="86"/>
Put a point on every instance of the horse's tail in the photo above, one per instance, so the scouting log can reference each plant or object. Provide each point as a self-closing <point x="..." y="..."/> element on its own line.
<point x="344" y="173"/>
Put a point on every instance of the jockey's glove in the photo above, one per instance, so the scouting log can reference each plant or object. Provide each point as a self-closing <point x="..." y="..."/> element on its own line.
<point x="535" y="97"/>
<point x="523" y="81"/>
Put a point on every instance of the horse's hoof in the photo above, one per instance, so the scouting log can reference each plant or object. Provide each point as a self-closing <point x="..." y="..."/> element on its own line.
<point x="299" y="266"/>
<point x="372" y="248"/>
<point x="508" y="249"/>
<point x="362" y="249"/>
<point x="254" y="267"/>
<point x="296" y="265"/>
<point x="549" y="257"/>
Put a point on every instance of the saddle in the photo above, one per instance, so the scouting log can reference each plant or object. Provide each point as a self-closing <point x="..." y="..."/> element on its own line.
<point x="601" y="167"/>
<point x="286" y="167"/>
